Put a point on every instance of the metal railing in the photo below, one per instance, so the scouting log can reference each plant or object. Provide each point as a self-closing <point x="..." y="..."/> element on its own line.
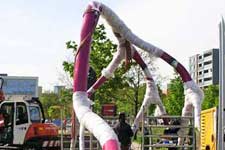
<point x="155" y="137"/>
<point x="90" y="141"/>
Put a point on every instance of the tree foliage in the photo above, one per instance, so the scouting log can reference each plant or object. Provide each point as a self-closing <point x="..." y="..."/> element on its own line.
<point x="174" y="101"/>
<point x="126" y="90"/>
<point x="211" y="98"/>
<point x="102" y="50"/>
<point x="49" y="99"/>
<point x="65" y="98"/>
<point x="54" y="103"/>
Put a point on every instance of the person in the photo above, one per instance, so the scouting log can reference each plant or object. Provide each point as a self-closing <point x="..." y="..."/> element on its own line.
<point x="171" y="131"/>
<point x="2" y="120"/>
<point x="124" y="132"/>
<point x="2" y="97"/>
<point x="64" y="125"/>
<point x="146" y="138"/>
<point x="2" y="125"/>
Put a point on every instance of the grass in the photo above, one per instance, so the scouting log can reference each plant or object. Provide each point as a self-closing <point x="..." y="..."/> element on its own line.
<point x="155" y="131"/>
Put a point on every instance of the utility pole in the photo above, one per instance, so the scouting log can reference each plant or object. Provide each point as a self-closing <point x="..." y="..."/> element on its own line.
<point x="221" y="118"/>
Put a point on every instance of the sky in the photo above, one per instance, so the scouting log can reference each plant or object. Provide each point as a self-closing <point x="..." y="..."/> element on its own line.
<point x="33" y="33"/>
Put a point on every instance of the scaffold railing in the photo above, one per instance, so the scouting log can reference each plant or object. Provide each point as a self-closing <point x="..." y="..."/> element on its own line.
<point x="157" y="135"/>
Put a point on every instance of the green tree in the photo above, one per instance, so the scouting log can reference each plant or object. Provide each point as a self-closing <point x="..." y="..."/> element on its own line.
<point x="54" y="111"/>
<point x="126" y="90"/>
<point x="49" y="99"/>
<point x="174" y="101"/>
<point x="136" y="80"/>
<point x="211" y="98"/>
<point x="65" y="99"/>
<point x="52" y="101"/>
<point x="102" y="50"/>
<point x="137" y="87"/>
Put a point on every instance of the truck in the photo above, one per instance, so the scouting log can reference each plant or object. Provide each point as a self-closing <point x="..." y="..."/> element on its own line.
<point x="22" y="125"/>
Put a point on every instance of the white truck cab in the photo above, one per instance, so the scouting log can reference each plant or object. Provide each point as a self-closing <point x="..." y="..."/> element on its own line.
<point x="24" y="125"/>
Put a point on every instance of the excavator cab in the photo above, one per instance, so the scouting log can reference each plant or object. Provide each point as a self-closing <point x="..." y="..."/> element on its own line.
<point x="18" y="116"/>
<point x="22" y="125"/>
<point x="6" y="129"/>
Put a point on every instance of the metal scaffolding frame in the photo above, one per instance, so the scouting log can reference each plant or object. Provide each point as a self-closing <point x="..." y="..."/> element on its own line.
<point x="147" y="123"/>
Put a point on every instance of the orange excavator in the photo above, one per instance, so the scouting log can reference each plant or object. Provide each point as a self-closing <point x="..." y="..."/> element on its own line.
<point x="22" y="125"/>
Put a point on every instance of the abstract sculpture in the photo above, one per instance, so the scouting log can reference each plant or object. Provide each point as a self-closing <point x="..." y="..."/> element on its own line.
<point x="126" y="50"/>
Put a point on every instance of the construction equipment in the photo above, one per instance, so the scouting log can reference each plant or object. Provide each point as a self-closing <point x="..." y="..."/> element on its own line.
<point x="208" y="129"/>
<point x="22" y="125"/>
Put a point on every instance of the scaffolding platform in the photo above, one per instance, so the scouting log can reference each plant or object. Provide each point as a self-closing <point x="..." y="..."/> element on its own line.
<point x="156" y="135"/>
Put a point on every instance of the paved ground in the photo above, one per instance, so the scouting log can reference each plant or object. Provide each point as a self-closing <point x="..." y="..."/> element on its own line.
<point x="135" y="146"/>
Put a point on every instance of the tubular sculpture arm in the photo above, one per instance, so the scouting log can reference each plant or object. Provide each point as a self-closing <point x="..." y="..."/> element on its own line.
<point x="151" y="96"/>
<point x="81" y="103"/>
<point x="193" y="94"/>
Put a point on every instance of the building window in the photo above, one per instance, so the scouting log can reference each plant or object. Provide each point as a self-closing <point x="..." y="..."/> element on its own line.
<point x="207" y="54"/>
<point x="199" y="65"/>
<point x="200" y="81"/>
<point x="206" y="71"/>
<point x="207" y="79"/>
<point x="207" y="62"/>
<point x="200" y="73"/>
<point x="35" y="115"/>
<point x="199" y="57"/>
<point x="21" y="113"/>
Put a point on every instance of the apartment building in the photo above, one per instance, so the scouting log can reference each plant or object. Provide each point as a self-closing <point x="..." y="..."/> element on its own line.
<point x="204" y="68"/>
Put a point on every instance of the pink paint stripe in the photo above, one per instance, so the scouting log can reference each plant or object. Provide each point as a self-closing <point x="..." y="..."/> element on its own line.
<point x="183" y="73"/>
<point x="81" y="62"/>
<point x="99" y="82"/>
<point x="139" y="60"/>
<point x="148" y="78"/>
<point x="166" y="57"/>
<point x="185" y="76"/>
<point x="111" y="145"/>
